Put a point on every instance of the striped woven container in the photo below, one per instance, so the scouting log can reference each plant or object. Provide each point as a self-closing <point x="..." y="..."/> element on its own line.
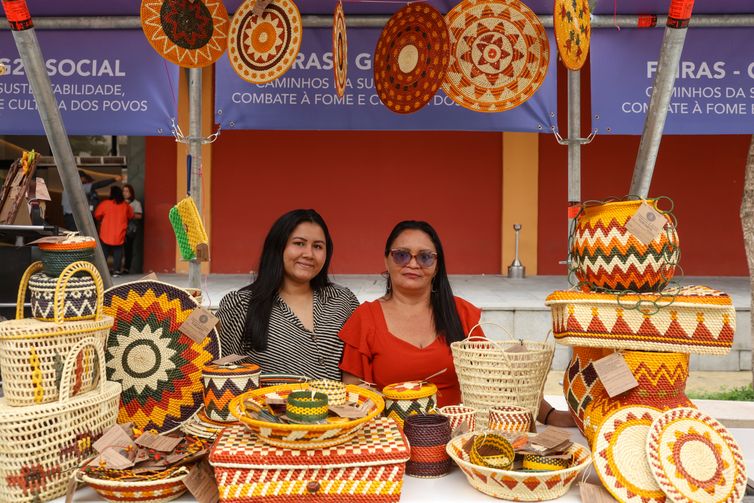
<point x="335" y="390"/>
<point x="690" y="319"/>
<point x="57" y="256"/>
<point x="306" y="406"/>
<point x="427" y="436"/>
<point x="159" y="490"/>
<point x="79" y="297"/>
<point x="509" y="418"/>
<point x="492" y="451"/>
<point x="605" y="254"/>
<point x="222" y="383"/>
<point x="462" y="418"/>
<point x="407" y="399"/>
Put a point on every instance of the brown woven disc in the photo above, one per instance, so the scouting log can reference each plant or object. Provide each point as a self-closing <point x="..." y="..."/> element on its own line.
<point x="262" y="48"/>
<point x="339" y="49"/>
<point x="500" y="54"/>
<point x="572" y="23"/>
<point x="190" y="34"/>
<point x="411" y="58"/>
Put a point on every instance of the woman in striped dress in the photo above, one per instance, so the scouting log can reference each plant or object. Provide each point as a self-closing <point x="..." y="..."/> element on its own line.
<point x="287" y="320"/>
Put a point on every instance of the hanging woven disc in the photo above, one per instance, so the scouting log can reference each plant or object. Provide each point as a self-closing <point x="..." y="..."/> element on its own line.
<point x="500" y="54"/>
<point x="411" y="58"/>
<point x="339" y="49"/>
<point x="573" y="27"/>
<point x="264" y="43"/>
<point x="190" y="33"/>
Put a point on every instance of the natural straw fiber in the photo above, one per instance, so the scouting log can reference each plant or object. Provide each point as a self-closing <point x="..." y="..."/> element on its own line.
<point x="335" y="390"/>
<point x="462" y="418"/>
<point x="32" y="352"/>
<point x="427" y="436"/>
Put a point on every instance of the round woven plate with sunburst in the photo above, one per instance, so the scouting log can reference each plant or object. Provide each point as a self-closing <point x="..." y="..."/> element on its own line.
<point x="263" y="47"/>
<point x="339" y="49"/>
<point x="573" y="26"/>
<point x="619" y="455"/>
<point x="499" y="57"/>
<point x="411" y="58"/>
<point x="159" y="367"/>
<point x="694" y="458"/>
<point x="191" y="34"/>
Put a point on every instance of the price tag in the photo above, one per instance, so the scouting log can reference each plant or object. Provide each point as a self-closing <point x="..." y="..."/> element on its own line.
<point x="162" y="443"/>
<point x="202" y="252"/>
<point x="551" y="437"/>
<point x="201" y="483"/>
<point x="347" y="411"/>
<point x="591" y="493"/>
<point x="114" y="437"/>
<point x="646" y="224"/>
<point x="151" y="276"/>
<point x="112" y="459"/>
<point x="615" y="375"/>
<point x="199" y="323"/>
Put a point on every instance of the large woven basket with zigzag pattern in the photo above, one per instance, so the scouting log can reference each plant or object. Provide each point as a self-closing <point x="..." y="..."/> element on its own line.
<point x="605" y="254"/>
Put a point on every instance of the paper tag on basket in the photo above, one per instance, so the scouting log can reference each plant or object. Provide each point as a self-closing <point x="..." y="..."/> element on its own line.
<point x="162" y="443"/>
<point x="112" y="458"/>
<point x="151" y="276"/>
<point x="198" y="324"/>
<point x="141" y="455"/>
<point x="646" y="224"/>
<point x="115" y="436"/>
<point x="202" y="252"/>
<point x="227" y="360"/>
<point x="42" y="194"/>
<point x="591" y="493"/>
<point x="201" y="483"/>
<point x="274" y="399"/>
<point x="550" y="438"/>
<point x="516" y="348"/>
<point x="366" y="406"/>
<point x="614" y="373"/>
<point x="409" y="386"/>
<point x="259" y="7"/>
<point x="347" y="411"/>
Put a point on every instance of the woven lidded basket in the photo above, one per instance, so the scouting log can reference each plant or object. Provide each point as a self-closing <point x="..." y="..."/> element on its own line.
<point x="41" y="445"/>
<point x="79" y="296"/>
<point x="158" y="490"/>
<point x="58" y="256"/>
<point x="32" y="352"/>
<point x="490" y="374"/>
<point x="402" y="401"/>
<point x="222" y="383"/>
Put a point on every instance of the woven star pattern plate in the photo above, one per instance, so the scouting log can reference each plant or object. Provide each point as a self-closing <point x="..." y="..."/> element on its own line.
<point x="411" y="58"/>
<point x="499" y="54"/>
<point x="620" y="458"/>
<point x="339" y="49"/>
<point x="573" y="26"/>
<point x="263" y="47"/>
<point x="159" y="367"/>
<point x="191" y="34"/>
<point x="695" y="459"/>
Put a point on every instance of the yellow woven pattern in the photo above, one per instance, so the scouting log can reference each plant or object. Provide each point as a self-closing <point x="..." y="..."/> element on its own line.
<point x="36" y="375"/>
<point x="335" y="390"/>
<point x="501" y="452"/>
<point x="192" y="222"/>
<point x="535" y="462"/>
<point x="390" y="391"/>
<point x="298" y="487"/>
<point x="306" y="411"/>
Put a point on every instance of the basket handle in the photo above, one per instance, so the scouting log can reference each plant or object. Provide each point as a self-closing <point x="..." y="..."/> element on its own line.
<point x="32" y="269"/>
<point x="510" y="337"/>
<point x="62" y="284"/>
<point x="70" y="361"/>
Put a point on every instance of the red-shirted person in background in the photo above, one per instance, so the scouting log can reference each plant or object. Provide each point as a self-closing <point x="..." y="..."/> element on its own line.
<point x="114" y="215"/>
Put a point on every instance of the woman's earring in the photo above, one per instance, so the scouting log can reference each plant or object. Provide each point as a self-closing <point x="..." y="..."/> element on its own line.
<point x="388" y="285"/>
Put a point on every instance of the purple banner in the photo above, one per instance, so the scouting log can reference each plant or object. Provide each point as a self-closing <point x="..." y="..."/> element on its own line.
<point x="107" y="82"/>
<point x="714" y="89"/>
<point x="305" y="97"/>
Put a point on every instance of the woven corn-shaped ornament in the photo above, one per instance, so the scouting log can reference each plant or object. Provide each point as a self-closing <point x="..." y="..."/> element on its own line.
<point x="188" y="227"/>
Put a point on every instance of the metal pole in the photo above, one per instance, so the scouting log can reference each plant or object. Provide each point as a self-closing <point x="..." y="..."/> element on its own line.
<point x="195" y="152"/>
<point x="662" y="89"/>
<point x="47" y="105"/>
<point x="574" y="145"/>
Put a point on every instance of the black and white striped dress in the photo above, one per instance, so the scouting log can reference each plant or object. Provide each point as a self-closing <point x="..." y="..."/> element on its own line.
<point x="291" y="348"/>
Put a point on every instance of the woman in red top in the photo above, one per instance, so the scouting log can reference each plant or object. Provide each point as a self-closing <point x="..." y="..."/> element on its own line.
<point x="406" y="334"/>
<point x="114" y="214"/>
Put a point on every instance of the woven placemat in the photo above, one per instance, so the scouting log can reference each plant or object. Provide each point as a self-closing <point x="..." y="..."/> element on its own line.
<point x="190" y="33"/>
<point x="339" y="49"/>
<point x="573" y="29"/>
<point x="694" y="459"/>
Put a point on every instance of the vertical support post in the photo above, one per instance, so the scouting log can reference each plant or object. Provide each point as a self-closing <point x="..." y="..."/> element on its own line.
<point x="195" y="152"/>
<point x="574" y="147"/>
<point x="662" y="89"/>
<point x="34" y="66"/>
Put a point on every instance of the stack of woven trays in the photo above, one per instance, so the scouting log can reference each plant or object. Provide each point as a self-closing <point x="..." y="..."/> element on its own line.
<point x="57" y="400"/>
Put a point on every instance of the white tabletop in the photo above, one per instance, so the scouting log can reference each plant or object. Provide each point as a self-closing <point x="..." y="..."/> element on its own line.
<point x="454" y="487"/>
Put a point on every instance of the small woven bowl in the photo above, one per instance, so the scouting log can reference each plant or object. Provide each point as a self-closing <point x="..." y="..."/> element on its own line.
<point x="509" y="418"/>
<point x="459" y="415"/>
<point x="141" y="491"/>
<point x="492" y="451"/>
<point x="306" y="406"/>
<point x="335" y="390"/>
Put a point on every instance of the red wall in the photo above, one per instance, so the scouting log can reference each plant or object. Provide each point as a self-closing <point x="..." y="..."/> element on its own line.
<point x="362" y="183"/>
<point x="159" y="197"/>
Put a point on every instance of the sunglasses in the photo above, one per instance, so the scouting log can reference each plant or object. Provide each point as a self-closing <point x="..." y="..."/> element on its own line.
<point x="424" y="258"/>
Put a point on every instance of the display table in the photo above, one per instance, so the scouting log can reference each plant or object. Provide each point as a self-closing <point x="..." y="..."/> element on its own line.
<point x="454" y="486"/>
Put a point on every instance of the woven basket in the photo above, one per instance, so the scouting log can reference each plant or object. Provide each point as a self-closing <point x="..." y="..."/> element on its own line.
<point x="58" y="256"/>
<point x="222" y="383"/>
<point x="306" y="406"/>
<point x="490" y="376"/>
<point x="461" y="418"/>
<point x="519" y="485"/>
<point x="41" y="445"/>
<point x="605" y="254"/>
<point x="401" y="403"/>
<point x="32" y="352"/>
<point x="79" y="296"/>
<point x="427" y="435"/>
<point x="335" y="390"/>
<point x="142" y="491"/>
<point x="509" y="418"/>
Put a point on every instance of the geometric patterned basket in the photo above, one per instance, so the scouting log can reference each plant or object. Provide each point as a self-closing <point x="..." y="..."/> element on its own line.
<point x="402" y="401"/>
<point x="58" y="256"/>
<point x="80" y="297"/>
<point x="222" y="383"/>
<point x="159" y="490"/>
<point x="32" y="352"/>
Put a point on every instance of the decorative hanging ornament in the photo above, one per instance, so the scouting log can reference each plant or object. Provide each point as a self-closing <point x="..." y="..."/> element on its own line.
<point x="189" y="33"/>
<point x="264" y="41"/>
<point x="411" y="58"/>
<point x="500" y="54"/>
<point x="339" y="49"/>
<point x="573" y="28"/>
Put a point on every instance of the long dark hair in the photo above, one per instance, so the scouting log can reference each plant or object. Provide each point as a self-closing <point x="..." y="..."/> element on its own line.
<point x="270" y="275"/>
<point x="441" y="298"/>
<point x="130" y="191"/>
<point x="116" y="194"/>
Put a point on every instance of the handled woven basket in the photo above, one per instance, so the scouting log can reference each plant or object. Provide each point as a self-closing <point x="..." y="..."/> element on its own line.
<point x="32" y="352"/>
<point x="41" y="445"/>
<point x="490" y="376"/>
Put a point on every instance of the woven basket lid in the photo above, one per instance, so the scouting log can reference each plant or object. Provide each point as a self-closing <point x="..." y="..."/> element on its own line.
<point x="500" y="54"/>
<point x="159" y="367"/>
<point x="231" y="370"/>
<point x="573" y="26"/>
<point x="619" y="455"/>
<point x="42" y="280"/>
<point x="70" y="243"/>
<point x="339" y="49"/>
<point x="263" y="47"/>
<point x="28" y="328"/>
<point x="695" y="459"/>
<point x="411" y="58"/>
<point x="190" y="33"/>
<point x="409" y="390"/>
